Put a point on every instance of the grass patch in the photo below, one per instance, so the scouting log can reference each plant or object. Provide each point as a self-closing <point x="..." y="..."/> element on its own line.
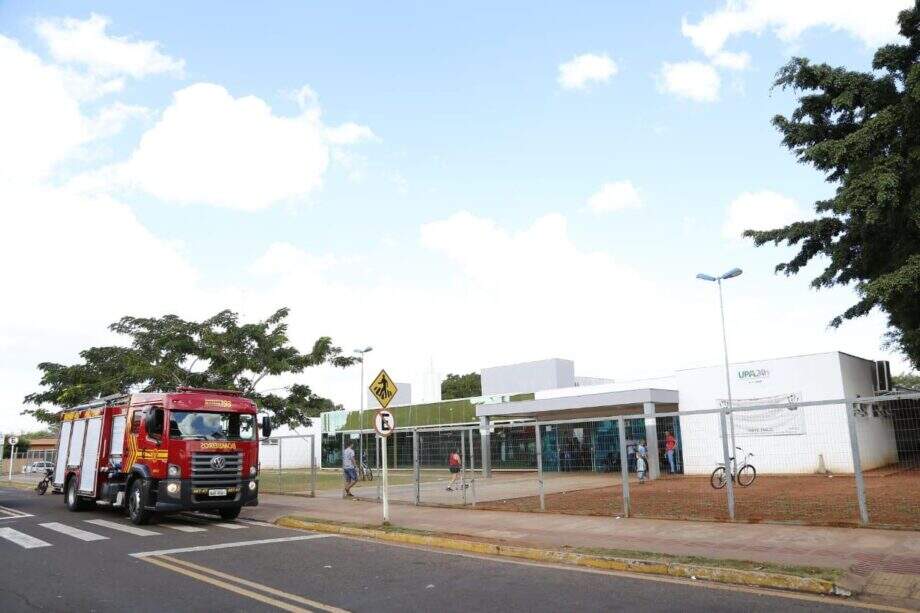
<point x="297" y="481"/>
<point x="811" y="572"/>
<point x="19" y="485"/>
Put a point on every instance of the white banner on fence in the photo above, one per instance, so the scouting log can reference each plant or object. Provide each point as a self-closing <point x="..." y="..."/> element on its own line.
<point x="769" y="422"/>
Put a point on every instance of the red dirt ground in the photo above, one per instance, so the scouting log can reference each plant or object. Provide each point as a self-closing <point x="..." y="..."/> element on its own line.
<point x="893" y="499"/>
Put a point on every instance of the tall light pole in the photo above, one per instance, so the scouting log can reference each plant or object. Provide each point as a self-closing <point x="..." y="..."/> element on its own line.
<point x="361" y="352"/>
<point x="734" y="272"/>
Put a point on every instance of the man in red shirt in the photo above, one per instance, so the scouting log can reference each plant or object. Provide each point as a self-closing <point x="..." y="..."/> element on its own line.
<point x="670" y="445"/>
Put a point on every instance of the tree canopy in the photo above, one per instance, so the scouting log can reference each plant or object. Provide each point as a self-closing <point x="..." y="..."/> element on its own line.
<point x="909" y="380"/>
<point x="862" y="130"/>
<point x="461" y="386"/>
<point x="219" y="352"/>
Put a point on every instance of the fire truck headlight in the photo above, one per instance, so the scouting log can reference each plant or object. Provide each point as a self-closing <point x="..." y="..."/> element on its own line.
<point x="172" y="488"/>
<point x="252" y="485"/>
<point x="252" y="471"/>
<point x="174" y="470"/>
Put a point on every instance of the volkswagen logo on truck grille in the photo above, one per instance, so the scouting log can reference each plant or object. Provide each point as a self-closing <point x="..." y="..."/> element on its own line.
<point x="218" y="462"/>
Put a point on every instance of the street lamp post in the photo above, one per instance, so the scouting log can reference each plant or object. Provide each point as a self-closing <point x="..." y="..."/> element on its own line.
<point x="362" y="352"/>
<point x="734" y="272"/>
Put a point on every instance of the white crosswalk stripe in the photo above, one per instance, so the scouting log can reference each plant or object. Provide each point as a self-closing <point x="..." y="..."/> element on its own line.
<point x="229" y="526"/>
<point x="255" y="522"/>
<point x="83" y="535"/>
<point x="114" y="525"/>
<point x="183" y="527"/>
<point x="23" y="540"/>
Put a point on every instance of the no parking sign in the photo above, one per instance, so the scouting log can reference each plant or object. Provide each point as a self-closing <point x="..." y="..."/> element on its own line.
<point x="384" y="423"/>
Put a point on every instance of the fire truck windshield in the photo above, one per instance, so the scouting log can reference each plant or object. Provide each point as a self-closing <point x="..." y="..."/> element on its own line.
<point x="191" y="425"/>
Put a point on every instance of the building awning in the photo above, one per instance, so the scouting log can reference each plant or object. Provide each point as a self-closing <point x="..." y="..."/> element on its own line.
<point x="625" y="402"/>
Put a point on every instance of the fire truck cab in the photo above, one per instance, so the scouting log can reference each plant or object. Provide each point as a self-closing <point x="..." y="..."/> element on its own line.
<point x="192" y="449"/>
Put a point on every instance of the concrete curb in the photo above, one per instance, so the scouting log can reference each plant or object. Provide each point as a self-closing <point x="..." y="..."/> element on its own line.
<point x="673" y="569"/>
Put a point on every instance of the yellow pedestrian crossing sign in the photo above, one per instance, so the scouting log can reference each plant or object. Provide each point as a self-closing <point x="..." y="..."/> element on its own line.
<point x="383" y="388"/>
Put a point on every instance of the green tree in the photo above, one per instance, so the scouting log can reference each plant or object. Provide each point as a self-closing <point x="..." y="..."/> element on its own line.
<point x="461" y="386"/>
<point x="862" y="130"/>
<point x="168" y="352"/>
<point x="910" y="380"/>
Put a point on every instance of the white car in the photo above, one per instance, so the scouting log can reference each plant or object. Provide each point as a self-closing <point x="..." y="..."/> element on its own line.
<point x="37" y="467"/>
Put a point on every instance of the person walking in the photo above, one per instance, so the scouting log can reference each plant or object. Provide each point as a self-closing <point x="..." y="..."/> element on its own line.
<point x="453" y="464"/>
<point x="348" y="467"/>
<point x="670" y="446"/>
<point x="641" y="460"/>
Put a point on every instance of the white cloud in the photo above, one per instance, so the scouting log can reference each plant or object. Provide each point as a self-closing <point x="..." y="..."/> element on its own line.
<point x="763" y="210"/>
<point x="211" y="148"/>
<point x="584" y="69"/>
<point x="615" y="196"/>
<point x="86" y="42"/>
<point x="694" y="80"/>
<point x="872" y="22"/>
<point x="112" y="119"/>
<point x="285" y="259"/>
<point x="40" y="122"/>
<point x="348" y="134"/>
<point x="732" y="61"/>
<point x="305" y="97"/>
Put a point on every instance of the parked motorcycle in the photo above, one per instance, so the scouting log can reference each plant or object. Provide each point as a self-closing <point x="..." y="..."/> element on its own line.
<point x="42" y="486"/>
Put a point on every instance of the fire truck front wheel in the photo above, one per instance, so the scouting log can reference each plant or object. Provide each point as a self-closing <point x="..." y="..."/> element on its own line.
<point x="136" y="511"/>
<point x="72" y="499"/>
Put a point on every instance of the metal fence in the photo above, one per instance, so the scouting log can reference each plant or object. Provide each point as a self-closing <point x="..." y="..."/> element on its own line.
<point x="287" y="465"/>
<point x="26" y="465"/>
<point x="832" y="462"/>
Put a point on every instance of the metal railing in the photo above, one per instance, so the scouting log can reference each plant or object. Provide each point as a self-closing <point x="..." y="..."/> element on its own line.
<point x="831" y="462"/>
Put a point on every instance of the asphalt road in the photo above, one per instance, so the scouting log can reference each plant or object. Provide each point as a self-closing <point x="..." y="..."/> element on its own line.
<point x="54" y="560"/>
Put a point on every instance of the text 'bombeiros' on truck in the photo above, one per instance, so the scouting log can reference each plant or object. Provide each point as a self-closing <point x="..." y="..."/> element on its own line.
<point x="189" y="450"/>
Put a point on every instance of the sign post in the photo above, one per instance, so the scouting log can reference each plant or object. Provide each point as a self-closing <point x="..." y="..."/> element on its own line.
<point x="13" y="440"/>
<point x="384" y="390"/>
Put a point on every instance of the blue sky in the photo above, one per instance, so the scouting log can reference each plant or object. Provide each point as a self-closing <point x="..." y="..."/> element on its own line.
<point x="446" y="212"/>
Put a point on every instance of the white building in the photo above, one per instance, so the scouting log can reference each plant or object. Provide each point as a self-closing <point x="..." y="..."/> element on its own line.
<point x="805" y="440"/>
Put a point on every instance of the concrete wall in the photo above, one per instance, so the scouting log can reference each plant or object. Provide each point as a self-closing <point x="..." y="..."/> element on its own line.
<point x="801" y="441"/>
<point x="528" y="377"/>
<point x="877" y="444"/>
<point x="663" y="383"/>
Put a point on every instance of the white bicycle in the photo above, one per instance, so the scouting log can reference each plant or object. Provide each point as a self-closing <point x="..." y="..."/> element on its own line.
<point x="743" y="475"/>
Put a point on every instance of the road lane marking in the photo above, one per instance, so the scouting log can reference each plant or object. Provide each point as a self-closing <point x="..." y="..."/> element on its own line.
<point x="258" y="586"/>
<point x="306" y="537"/>
<point x="228" y="525"/>
<point x="23" y="540"/>
<point x="10" y="513"/>
<point x="183" y="527"/>
<point x="227" y="586"/>
<point x="76" y="533"/>
<point x="114" y="525"/>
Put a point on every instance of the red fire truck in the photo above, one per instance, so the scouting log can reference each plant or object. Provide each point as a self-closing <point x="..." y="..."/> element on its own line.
<point x="192" y="449"/>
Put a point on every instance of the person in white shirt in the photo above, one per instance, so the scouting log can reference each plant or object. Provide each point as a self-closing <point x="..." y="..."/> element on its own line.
<point x="641" y="460"/>
<point x="348" y="467"/>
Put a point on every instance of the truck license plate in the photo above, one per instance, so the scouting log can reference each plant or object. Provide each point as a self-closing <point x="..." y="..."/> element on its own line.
<point x="220" y="492"/>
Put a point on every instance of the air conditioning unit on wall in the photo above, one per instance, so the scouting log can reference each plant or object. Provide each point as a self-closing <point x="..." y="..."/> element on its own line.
<point x="881" y="376"/>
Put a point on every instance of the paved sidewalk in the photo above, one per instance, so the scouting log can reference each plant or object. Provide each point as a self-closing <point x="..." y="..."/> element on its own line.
<point x="881" y="562"/>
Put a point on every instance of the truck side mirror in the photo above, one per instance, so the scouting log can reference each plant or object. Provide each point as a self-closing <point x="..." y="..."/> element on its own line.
<point x="154" y="428"/>
<point x="266" y="426"/>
